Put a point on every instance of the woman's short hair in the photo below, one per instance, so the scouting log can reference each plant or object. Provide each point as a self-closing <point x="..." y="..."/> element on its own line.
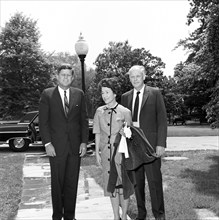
<point x="111" y="83"/>
<point x="65" y="66"/>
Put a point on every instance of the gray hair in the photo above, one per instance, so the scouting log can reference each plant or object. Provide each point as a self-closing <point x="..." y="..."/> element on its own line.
<point x="138" y="68"/>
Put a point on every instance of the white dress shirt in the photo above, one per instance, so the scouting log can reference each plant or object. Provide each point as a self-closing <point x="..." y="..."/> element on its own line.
<point x="137" y="124"/>
<point x="61" y="92"/>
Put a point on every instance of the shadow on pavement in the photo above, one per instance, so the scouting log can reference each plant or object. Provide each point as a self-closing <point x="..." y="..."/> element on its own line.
<point x="6" y="149"/>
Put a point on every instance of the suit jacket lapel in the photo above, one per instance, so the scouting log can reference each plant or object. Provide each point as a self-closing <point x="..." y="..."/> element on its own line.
<point x="144" y="99"/>
<point x="71" y="98"/>
<point x="145" y="96"/>
<point x="130" y="98"/>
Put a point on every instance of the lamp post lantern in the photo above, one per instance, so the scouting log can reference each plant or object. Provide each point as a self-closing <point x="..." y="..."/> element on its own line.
<point x="81" y="48"/>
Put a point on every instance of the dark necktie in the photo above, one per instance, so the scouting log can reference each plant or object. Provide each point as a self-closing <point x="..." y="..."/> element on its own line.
<point x="135" y="114"/>
<point x="66" y="104"/>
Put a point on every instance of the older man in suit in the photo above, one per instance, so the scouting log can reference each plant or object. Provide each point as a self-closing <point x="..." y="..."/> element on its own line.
<point x="64" y="132"/>
<point x="149" y="113"/>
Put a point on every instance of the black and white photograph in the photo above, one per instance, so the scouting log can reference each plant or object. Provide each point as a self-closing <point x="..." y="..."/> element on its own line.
<point x="109" y="110"/>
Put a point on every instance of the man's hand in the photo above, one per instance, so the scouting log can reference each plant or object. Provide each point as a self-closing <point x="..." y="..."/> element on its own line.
<point x="122" y="132"/>
<point x="50" y="150"/>
<point x="160" y="151"/>
<point x="83" y="149"/>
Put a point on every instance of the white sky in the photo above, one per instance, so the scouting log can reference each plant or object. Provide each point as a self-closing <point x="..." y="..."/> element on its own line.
<point x="155" y="25"/>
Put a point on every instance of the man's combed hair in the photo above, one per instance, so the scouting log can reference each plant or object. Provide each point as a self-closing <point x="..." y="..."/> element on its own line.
<point x="65" y="66"/>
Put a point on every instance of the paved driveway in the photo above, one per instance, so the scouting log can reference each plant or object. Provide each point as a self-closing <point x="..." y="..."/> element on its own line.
<point x="192" y="143"/>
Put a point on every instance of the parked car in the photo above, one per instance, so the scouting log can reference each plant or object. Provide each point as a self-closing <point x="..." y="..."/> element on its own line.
<point x="179" y="120"/>
<point x="19" y="135"/>
<point x="25" y="133"/>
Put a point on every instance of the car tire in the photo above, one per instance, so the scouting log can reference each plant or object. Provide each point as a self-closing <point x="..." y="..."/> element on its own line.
<point x="19" y="144"/>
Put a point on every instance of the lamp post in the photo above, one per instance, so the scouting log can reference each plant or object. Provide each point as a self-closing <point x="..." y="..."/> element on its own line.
<point x="81" y="48"/>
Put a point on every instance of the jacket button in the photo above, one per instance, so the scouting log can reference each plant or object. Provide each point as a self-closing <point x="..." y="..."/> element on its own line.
<point x="108" y="159"/>
<point x="108" y="147"/>
<point x="109" y="136"/>
<point x="108" y="124"/>
<point x="108" y="171"/>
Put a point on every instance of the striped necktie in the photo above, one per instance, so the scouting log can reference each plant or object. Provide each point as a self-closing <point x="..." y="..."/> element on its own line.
<point x="66" y="104"/>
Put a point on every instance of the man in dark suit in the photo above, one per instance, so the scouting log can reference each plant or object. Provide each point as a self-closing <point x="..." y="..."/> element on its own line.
<point x="64" y="132"/>
<point x="149" y="113"/>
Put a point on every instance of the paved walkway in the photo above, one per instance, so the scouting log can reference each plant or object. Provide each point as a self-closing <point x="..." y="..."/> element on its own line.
<point x="193" y="143"/>
<point x="91" y="204"/>
<point x="36" y="197"/>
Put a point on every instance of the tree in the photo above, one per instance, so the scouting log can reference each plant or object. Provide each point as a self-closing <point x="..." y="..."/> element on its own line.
<point x="25" y="70"/>
<point x="203" y="47"/>
<point x="193" y="89"/>
<point x="173" y="98"/>
<point x="116" y="60"/>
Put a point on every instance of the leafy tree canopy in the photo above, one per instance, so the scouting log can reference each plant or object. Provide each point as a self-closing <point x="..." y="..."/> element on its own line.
<point x="24" y="71"/>
<point x="202" y="81"/>
<point x="116" y="60"/>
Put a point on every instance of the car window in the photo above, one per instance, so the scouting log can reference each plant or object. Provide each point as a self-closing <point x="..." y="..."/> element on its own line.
<point x="36" y="121"/>
<point x="28" y="117"/>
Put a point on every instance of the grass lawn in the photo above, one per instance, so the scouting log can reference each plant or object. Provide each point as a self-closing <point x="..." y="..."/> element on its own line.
<point x="11" y="165"/>
<point x="189" y="184"/>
